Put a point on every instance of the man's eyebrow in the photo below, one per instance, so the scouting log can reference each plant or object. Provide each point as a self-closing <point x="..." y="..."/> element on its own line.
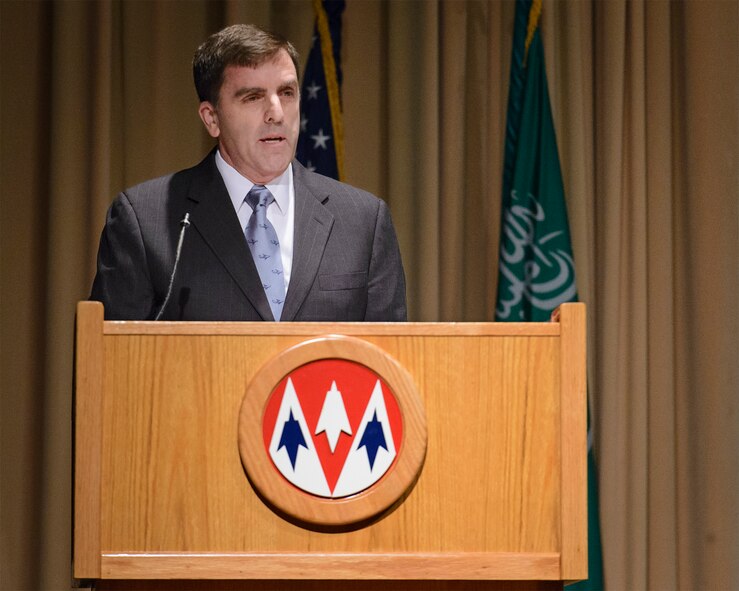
<point x="293" y="83"/>
<point x="244" y="90"/>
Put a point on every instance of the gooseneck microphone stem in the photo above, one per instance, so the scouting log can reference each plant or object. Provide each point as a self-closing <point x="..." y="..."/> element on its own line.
<point x="185" y="223"/>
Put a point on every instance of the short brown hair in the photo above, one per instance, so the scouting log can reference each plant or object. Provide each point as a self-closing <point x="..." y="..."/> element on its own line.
<point x="237" y="45"/>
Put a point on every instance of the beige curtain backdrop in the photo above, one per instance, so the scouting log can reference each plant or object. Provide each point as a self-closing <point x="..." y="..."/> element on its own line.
<point x="97" y="96"/>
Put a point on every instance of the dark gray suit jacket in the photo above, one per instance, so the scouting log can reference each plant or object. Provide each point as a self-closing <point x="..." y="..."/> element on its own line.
<point x="346" y="261"/>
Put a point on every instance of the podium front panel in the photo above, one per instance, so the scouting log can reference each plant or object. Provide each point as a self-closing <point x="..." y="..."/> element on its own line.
<point x="175" y="502"/>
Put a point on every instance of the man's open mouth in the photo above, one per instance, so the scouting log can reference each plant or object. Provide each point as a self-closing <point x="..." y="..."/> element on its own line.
<point x="272" y="139"/>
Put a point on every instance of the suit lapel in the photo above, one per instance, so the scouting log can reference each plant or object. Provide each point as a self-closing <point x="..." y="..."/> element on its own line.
<point x="313" y="223"/>
<point x="216" y="221"/>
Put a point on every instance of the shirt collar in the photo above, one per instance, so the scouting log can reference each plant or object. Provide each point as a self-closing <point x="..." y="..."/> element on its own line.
<point x="238" y="185"/>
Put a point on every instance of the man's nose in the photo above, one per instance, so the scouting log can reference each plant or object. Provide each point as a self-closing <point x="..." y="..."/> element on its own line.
<point x="274" y="112"/>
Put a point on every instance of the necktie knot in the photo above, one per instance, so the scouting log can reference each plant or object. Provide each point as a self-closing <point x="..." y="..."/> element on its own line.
<point x="258" y="197"/>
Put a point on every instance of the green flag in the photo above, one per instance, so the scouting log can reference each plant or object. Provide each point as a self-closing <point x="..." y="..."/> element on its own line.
<point x="536" y="269"/>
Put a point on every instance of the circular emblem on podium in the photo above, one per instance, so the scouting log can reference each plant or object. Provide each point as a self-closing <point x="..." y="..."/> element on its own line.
<point x="332" y="432"/>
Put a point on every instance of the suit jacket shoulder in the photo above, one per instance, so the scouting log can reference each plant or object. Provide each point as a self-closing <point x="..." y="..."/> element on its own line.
<point x="138" y="244"/>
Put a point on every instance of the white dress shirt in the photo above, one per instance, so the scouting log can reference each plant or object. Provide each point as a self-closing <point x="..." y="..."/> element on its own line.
<point x="280" y="213"/>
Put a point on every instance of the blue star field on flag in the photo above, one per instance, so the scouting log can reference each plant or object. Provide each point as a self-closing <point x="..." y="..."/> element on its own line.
<point x="320" y="144"/>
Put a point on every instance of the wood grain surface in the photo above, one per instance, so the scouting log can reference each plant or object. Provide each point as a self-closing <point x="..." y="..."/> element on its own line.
<point x="491" y="500"/>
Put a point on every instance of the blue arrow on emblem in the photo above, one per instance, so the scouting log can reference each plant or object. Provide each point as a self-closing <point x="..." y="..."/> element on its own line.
<point x="373" y="438"/>
<point x="292" y="438"/>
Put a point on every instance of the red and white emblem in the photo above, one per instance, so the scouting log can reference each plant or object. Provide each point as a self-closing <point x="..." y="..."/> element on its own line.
<point x="332" y="427"/>
<point x="332" y="432"/>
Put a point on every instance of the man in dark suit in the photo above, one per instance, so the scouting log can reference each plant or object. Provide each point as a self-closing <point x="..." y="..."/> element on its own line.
<point x="336" y="255"/>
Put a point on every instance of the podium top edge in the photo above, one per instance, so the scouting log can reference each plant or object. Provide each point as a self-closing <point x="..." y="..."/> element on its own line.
<point x="137" y="327"/>
<point x="332" y="328"/>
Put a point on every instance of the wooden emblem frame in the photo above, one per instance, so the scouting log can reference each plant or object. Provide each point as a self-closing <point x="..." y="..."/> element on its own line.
<point x="309" y="509"/>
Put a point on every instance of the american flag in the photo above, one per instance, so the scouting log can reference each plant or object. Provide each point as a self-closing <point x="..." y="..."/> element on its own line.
<point x="320" y="145"/>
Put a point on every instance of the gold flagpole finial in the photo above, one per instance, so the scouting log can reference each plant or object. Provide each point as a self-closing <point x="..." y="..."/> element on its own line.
<point x="534" y="14"/>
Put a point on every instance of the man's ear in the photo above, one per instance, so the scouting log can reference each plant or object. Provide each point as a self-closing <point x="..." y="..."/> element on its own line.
<point x="209" y="117"/>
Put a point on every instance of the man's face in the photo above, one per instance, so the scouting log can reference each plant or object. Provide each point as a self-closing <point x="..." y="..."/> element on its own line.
<point x="257" y="118"/>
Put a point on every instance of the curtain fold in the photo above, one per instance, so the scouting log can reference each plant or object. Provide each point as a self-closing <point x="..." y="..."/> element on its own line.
<point x="97" y="96"/>
<point x="707" y="345"/>
<point x="622" y="345"/>
<point x="78" y="146"/>
<point x="660" y="263"/>
<point x="444" y="154"/>
<point x="413" y="147"/>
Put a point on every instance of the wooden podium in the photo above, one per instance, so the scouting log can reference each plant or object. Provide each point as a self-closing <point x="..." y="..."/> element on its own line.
<point x="162" y="499"/>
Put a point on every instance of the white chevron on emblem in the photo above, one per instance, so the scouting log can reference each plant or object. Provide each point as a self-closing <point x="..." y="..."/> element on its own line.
<point x="359" y="472"/>
<point x="333" y="419"/>
<point x="307" y="472"/>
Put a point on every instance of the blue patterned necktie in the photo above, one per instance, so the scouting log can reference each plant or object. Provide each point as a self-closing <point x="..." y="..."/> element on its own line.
<point x="265" y="248"/>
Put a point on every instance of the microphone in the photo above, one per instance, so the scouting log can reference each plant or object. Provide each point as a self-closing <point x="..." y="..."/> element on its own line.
<point x="185" y="223"/>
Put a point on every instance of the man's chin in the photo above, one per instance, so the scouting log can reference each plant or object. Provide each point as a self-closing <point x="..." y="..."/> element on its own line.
<point x="271" y="170"/>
